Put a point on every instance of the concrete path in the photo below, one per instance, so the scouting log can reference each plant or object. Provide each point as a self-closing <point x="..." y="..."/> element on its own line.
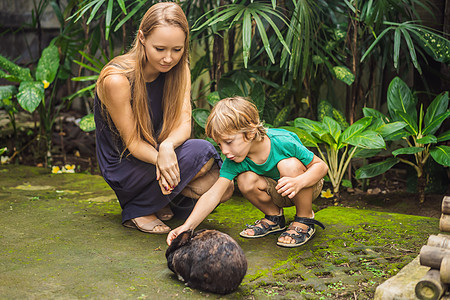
<point x="61" y="238"/>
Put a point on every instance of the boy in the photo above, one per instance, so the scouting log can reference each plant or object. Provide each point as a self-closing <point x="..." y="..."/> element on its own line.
<point x="272" y="169"/>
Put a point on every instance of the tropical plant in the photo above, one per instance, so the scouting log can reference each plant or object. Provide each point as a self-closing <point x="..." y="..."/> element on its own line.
<point x="335" y="145"/>
<point x="31" y="91"/>
<point x="420" y="135"/>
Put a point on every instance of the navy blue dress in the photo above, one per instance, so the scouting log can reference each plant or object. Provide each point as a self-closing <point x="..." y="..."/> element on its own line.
<point x="133" y="180"/>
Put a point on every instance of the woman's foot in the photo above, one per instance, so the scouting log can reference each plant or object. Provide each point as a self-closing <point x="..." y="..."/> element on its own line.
<point x="165" y="213"/>
<point x="148" y="224"/>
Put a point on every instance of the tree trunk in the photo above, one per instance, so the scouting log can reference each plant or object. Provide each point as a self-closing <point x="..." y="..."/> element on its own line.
<point x="421" y="184"/>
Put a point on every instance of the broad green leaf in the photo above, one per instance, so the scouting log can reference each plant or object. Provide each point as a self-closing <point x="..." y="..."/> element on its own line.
<point x="376" y="169"/>
<point x="23" y="74"/>
<point x="347" y="183"/>
<point x="48" y="64"/>
<point x="436" y="108"/>
<point x="324" y="108"/>
<point x="388" y="129"/>
<point x="213" y="98"/>
<point x="332" y="127"/>
<point x="441" y="154"/>
<point x="87" y="123"/>
<point x="326" y="138"/>
<point x="411" y="125"/>
<point x="399" y="97"/>
<point x="436" y="123"/>
<point x="282" y="116"/>
<point x="370" y="112"/>
<point x="344" y="74"/>
<point x="9" y="77"/>
<point x="365" y="153"/>
<point x="397" y="135"/>
<point x="434" y="44"/>
<point x="445" y="136"/>
<point x="339" y="117"/>
<point x="200" y="116"/>
<point x="30" y="95"/>
<point x="306" y="139"/>
<point x="355" y="129"/>
<point x="258" y="96"/>
<point x="429" y="139"/>
<point x="309" y="125"/>
<point x="7" y="91"/>
<point x="409" y="150"/>
<point x="3" y="150"/>
<point x="227" y="88"/>
<point x="367" y="139"/>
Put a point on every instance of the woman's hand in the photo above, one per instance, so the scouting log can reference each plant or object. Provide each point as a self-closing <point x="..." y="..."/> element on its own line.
<point x="174" y="233"/>
<point x="167" y="170"/>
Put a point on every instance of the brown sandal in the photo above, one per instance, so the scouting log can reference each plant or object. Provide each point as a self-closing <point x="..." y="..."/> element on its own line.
<point x="147" y="227"/>
<point x="165" y="213"/>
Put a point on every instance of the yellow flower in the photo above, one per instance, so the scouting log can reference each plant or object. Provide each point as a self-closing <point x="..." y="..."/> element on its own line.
<point x="46" y="83"/>
<point x="326" y="194"/>
<point x="4" y="159"/>
<point x="69" y="169"/>
<point x="55" y="170"/>
<point x="305" y="100"/>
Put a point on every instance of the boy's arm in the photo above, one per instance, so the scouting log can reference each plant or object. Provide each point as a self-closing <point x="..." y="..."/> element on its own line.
<point x="204" y="206"/>
<point x="315" y="171"/>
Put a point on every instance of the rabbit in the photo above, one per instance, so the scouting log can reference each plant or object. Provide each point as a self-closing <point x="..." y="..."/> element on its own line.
<point x="208" y="260"/>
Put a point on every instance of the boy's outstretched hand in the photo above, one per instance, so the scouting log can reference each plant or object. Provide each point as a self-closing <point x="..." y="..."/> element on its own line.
<point x="174" y="233"/>
<point x="288" y="186"/>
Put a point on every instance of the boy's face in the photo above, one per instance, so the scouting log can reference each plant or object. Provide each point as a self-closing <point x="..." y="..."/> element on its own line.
<point x="235" y="147"/>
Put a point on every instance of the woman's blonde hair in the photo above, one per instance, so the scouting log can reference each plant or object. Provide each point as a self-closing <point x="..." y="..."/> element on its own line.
<point x="234" y="115"/>
<point x="132" y="65"/>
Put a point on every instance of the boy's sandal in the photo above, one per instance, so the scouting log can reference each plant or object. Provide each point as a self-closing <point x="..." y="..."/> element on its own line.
<point x="302" y="235"/>
<point x="147" y="227"/>
<point x="261" y="228"/>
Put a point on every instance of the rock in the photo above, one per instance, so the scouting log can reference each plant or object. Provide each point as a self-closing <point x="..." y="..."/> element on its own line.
<point x="402" y="286"/>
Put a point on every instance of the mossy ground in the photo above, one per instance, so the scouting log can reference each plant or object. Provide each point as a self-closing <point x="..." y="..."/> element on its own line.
<point x="62" y="238"/>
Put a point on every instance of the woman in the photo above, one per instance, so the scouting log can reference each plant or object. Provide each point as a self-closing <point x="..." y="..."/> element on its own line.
<point x="143" y="121"/>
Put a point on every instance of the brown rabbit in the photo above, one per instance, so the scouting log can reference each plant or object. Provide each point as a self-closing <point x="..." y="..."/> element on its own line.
<point x="208" y="260"/>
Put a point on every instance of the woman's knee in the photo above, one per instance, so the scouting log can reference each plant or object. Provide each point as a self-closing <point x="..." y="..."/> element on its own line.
<point x="291" y="167"/>
<point x="205" y="169"/>
<point x="247" y="182"/>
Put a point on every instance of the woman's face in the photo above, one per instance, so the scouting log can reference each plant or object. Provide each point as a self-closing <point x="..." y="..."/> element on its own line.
<point x="164" y="47"/>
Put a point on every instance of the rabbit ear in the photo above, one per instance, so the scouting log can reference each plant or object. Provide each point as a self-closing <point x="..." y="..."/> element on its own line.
<point x="182" y="239"/>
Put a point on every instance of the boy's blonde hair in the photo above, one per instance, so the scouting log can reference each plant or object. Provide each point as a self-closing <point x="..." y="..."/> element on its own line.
<point x="234" y="115"/>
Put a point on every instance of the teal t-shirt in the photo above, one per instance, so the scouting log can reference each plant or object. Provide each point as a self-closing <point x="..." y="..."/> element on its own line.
<point x="283" y="144"/>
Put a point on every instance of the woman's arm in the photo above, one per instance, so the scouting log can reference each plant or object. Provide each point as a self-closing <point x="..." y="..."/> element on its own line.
<point x="167" y="162"/>
<point x="117" y="99"/>
<point x="204" y="206"/>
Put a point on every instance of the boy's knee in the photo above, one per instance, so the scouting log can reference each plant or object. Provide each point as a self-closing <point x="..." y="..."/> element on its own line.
<point x="247" y="182"/>
<point x="291" y="167"/>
